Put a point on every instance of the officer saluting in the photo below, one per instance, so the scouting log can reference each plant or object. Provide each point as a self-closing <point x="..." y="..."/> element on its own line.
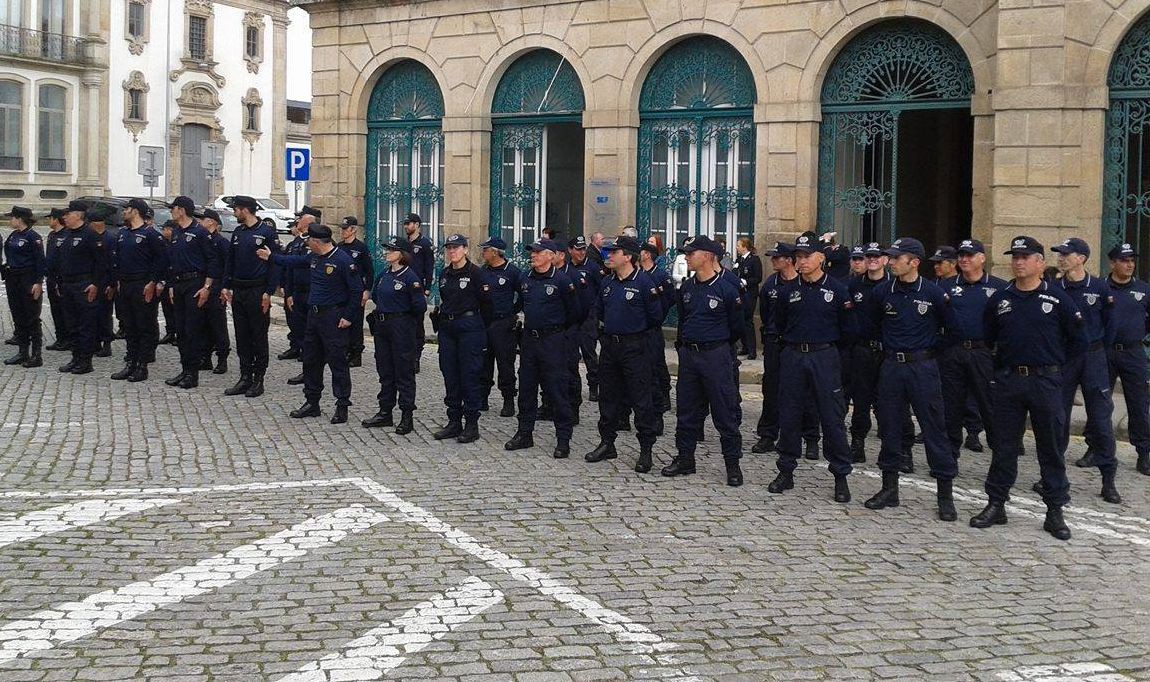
<point x="335" y="292"/>
<point x="249" y="282"/>
<point x="710" y="323"/>
<point x="1034" y="327"/>
<point x="550" y="308"/>
<point x="1089" y="370"/>
<point x="627" y="306"/>
<point x="399" y="304"/>
<point x="503" y="281"/>
<point x="1127" y="355"/>
<point x="911" y="314"/>
<point x="24" y="271"/>
<point x="813" y="317"/>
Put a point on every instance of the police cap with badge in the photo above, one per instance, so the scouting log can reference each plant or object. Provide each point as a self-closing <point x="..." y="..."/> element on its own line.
<point x="1122" y="252"/>
<point x="1072" y="245"/>
<point x="494" y="243"/>
<point x="245" y="202"/>
<point x="1025" y="246"/>
<point x="628" y="245"/>
<point x="397" y="243"/>
<point x="970" y="247"/>
<point x="906" y="245"/>
<point x="308" y="210"/>
<point x="140" y="206"/>
<point x="701" y="243"/>
<point x="858" y="252"/>
<point x="944" y="253"/>
<point x="22" y="213"/>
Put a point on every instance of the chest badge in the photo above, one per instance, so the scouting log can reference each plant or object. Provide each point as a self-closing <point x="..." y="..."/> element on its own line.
<point x="416" y="249"/>
<point x="1047" y="308"/>
<point x="1138" y="295"/>
<point x="829" y="296"/>
<point x="328" y="269"/>
<point x="923" y="308"/>
<point x="713" y="303"/>
<point x="189" y="237"/>
<point x="139" y="239"/>
<point x="398" y="285"/>
<point x="76" y="241"/>
<point x="549" y="289"/>
<point x="463" y="282"/>
<point x="1091" y="299"/>
<point x="259" y="241"/>
<point x="502" y="281"/>
<point x="631" y="294"/>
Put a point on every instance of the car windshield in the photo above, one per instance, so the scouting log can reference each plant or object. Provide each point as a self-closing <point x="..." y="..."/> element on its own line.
<point x="271" y="204"/>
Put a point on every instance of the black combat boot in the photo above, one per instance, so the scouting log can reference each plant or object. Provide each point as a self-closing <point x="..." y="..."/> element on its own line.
<point x="644" y="464"/>
<point x="1109" y="491"/>
<point x="139" y="373"/>
<point x="734" y="473"/>
<point x="20" y="357"/>
<point x="470" y="432"/>
<point x="378" y="420"/>
<point x="994" y="514"/>
<point x="290" y="354"/>
<point x="406" y="423"/>
<point x="946" y="510"/>
<point x="257" y="387"/>
<point x="451" y="430"/>
<point x="67" y="367"/>
<point x="811" y="451"/>
<point x="1055" y="524"/>
<point x="842" y="489"/>
<point x="242" y="386"/>
<point x="355" y="359"/>
<point x="340" y="416"/>
<point x="508" y="405"/>
<point x="520" y="441"/>
<point x="104" y="350"/>
<point x="605" y="450"/>
<point x="83" y="365"/>
<point x="858" y="450"/>
<point x="308" y="409"/>
<point x="296" y="380"/>
<point x="680" y="466"/>
<point x="763" y="445"/>
<point x="125" y="372"/>
<point x="35" y="358"/>
<point x="221" y="364"/>
<point x="887" y="496"/>
<point x="191" y="380"/>
<point x="562" y="450"/>
<point x="175" y="381"/>
<point x="784" y="481"/>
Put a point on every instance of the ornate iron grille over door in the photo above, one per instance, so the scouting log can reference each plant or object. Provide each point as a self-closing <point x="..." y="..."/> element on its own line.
<point x="697" y="144"/>
<point x="404" y="154"/>
<point x="1126" y="184"/>
<point x="539" y="89"/>
<point x="887" y="70"/>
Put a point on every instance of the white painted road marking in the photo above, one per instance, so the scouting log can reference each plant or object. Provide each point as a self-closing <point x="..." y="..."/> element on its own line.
<point x="1065" y="672"/>
<point x="74" y="620"/>
<point x="67" y="516"/>
<point x="386" y="647"/>
<point x="182" y="490"/>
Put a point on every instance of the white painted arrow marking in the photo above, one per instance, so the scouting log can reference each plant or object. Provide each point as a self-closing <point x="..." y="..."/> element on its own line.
<point x="68" y="516"/>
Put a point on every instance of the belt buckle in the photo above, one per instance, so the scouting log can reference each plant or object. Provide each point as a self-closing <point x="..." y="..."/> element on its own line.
<point x="967" y="344"/>
<point x="900" y="357"/>
<point x="1024" y="371"/>
<point x="1119" y="347"/>
<point x="804" y="347"/>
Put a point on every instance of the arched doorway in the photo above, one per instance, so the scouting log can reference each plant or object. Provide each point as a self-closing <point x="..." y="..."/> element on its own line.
<point x="404" y="154"/>
<point x="537" y="149"/>
<point x="1126" y="184"/>
<point x="896" y="142"/>
<point x="697" y="144"/>
<point x="194" y="181"/>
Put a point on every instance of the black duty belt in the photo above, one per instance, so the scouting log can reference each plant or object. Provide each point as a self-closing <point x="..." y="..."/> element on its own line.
<point x="394" y="316"/>
<point x="623" y="338"/>
<point x="700" y="347"/>
<point x="138" y="277"/>
<point x="1136" y="345"/>
<point x="770" y="337"/>
<point x="1034" y="370"/>
<point x="910" y="356"/>
<point x="872" y="346"/>
<point x="449" y="318"/>
<point x="326" y="306"/>
<point x="1097" y="345"/>
<point x="185" y="276"/>
<point x="809" y="347"/>
<point x="76" y="279"/>
<point x="248" y="283"/>
<point x="972" y="344"/>
<point x="18" y="271"/>
<point x="544" y="332"/>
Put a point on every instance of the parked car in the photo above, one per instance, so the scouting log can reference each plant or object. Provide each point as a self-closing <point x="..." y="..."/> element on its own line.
<point x="159" y="207"/>
<point x="269" y="208"/>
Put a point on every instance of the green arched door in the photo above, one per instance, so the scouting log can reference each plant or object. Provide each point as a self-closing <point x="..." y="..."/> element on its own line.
<point x="537" y="150"/>
<point x="896" y="140"/>
<point x="1126" y="183"/>
<point x="697" y="145"/>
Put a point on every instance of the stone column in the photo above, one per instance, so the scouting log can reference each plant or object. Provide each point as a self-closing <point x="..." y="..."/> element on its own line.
<point x="90" y="155"/>
<point x="786" y="171"/>
<point x="279" y="104"/>
<point x="611" y="141"/>
<point x="467" y="176"/>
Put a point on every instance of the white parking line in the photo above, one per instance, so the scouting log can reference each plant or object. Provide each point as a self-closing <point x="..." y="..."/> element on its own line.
<point x="1065" y="672"/>
<point x="67" y="516"/>
<point x="386" y="647"/>
<point x="74" y="620"/>
<point x="183" y="490"/>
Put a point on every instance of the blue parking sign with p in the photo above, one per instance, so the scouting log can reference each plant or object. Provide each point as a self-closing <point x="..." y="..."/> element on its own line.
<point x="298" y="164"/>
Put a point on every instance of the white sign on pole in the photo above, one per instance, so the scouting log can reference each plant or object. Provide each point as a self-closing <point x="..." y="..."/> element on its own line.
<point x="212" y="155"/>
<point x="151" y="161"/>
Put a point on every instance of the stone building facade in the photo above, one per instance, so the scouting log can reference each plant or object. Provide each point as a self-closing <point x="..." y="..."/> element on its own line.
<point x="871" y="118"/>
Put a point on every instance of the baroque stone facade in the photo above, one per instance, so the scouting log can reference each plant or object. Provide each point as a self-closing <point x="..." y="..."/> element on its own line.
<point x="1038" y="107"/>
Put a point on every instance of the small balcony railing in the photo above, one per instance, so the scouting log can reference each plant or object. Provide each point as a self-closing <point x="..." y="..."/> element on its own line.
<point x="16" y="41"/>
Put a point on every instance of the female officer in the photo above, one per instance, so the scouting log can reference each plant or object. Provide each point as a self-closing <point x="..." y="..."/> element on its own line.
<point x="399" y="305"/>
<point x="461" y="322"/>
<point x="750" y="271"/>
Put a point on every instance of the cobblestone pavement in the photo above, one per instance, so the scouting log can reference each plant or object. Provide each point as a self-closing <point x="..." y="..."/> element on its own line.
<point x="148" y="533"/>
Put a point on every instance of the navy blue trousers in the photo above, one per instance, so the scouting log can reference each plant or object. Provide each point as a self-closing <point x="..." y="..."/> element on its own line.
<point x="82" y="318"/>
<point x="707" y="378"/>
<point x="814" y="377"/>
<point x="189" y="323"/>
<point x="1014" y="398"/>
<point x="140" y="322"/>
<point x="917" y="385"/>
<point x="462" y="347"/>
<point x="395" y="353"/>
<point x="1090" y="371"/>
<point x="1130" y="365"/>
<point x="768" y="426"/>
<point x="625" y="383"/>
<point x="500" y="356"/>
<point x="537" y="368"/>
<point x="967" y="374"/>
<point x="325" y="343"/>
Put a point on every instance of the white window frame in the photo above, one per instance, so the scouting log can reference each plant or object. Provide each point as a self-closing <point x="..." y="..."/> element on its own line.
<point x="21" y="108"/>
<point x="540" y="175"/>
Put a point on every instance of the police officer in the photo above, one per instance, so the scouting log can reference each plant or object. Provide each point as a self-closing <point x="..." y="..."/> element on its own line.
<point x="52" y="244"/>
<point x="423" y="262"/>
<point x="867" y="355"/>
<point x="462" y="325"/>
<point x="399" y="302"/>
<point x="772" y="295"/>
<point x="365" y="264"/>
<point x="627" y="307"/>
<point x="297" y="286"/>
<point x="710" y="324"/>
<point x="814" y="318"/>
<point x="216" y="309"/>
<point x="966" y="365"/>
<point x="749" y="268"/>
<point x="1034" y="327"/>
<point x="945" y="263"/>
<point x="167" y="231"/>
<point x="656" y="345"/>
<point x="193" y="267"/>
<point x="550" y="308"/>
<point x="23" y="273"/>
<point x="503" y="281"/>
<point x="911" y="314"/>
<point x="571" y="336"/>
<point x="296" y="247"/>
<point x="98" y="216"/>
<point x="83" y="267"/>
<point x="857" y="263"/>
<point x="588" y="334"/>
<point x="335" y="292"/>
<point x="248" y="285"/>
<point x="1127" y="354"/>
<point x="1090" y="371"/>
<point x="140" y="264"/>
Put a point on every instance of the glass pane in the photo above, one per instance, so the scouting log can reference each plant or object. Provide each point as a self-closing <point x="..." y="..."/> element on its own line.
<point x="135" y="19"/>
<point x="10" y="93"/>
<point x="52" y="16"/>
<point x="10" y="12"/>
<point x="134" y="106"/>
<point x="253" y="41"/>
<point x="52" y="97"/>
<point x="10" y="137"/>
<point x="197" y="37"/>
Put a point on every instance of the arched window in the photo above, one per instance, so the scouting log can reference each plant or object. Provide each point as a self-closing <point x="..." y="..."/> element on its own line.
<point x="52" y="131"/>
<point x="537" y="149"/>
<point x="1126" y="179"/>
<point x="404" y="153"/>
<point x="11" y="126"/>
<point x="697" y="144"/>
<point x="896" y="141"/>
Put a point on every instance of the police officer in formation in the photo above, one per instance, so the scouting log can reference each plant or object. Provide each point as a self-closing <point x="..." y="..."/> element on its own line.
<point x="1127" y="354"/>
<point x="503" y="281"/>
<point x="423" y="262"/>
<point x="335" y="291"/>
<point x="216" y="310"/>
<point x="588" y="334"/>
<point x="23" y="272"/>
<point x="98" y="216"/>
<point x="81" y="270"/>
<point x="365" y="264"/>
<point x="297" y="287"/>
<point x="398" y="295"/>
<point x="551" y="308"/>
<point x="248" y="285"/>
<point x="139" y="265"/>
<point x="63" y="325"/>
<point x="461" y="323"/>
<point x="661" y="385"/>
